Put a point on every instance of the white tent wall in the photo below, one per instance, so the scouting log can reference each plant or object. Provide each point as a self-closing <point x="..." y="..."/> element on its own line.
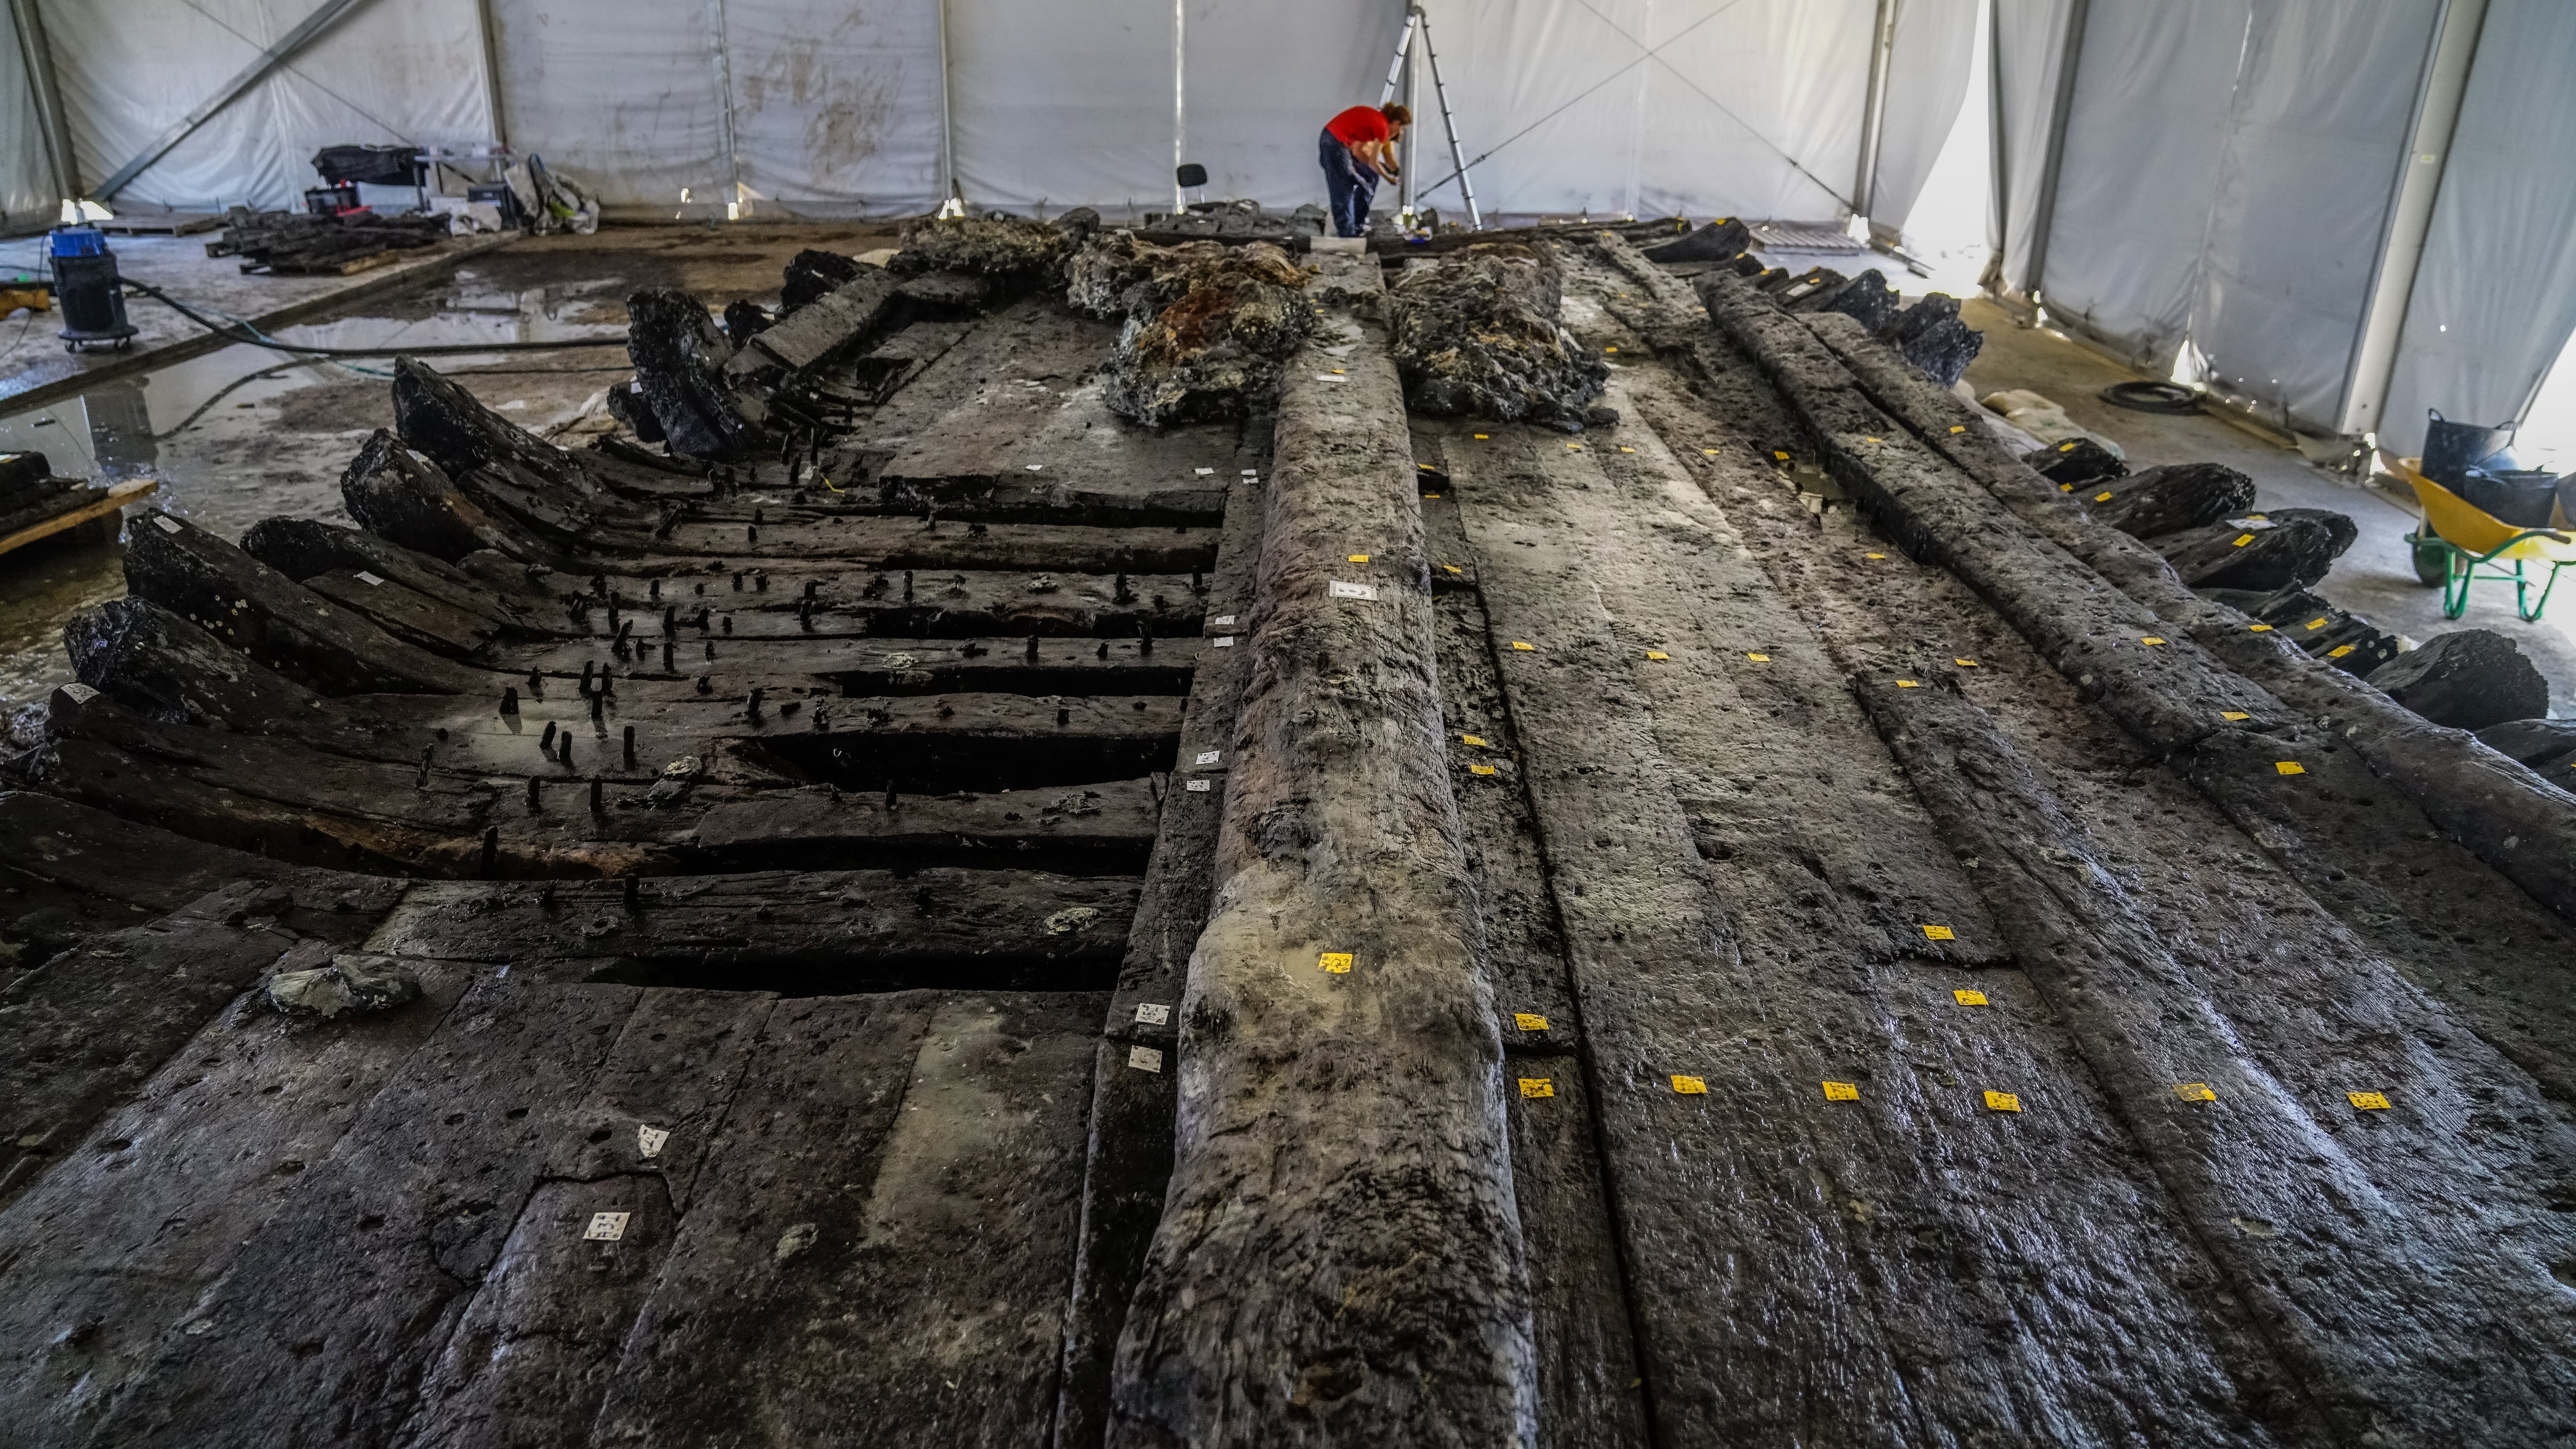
<point x="2029" y="39"/>
<point x="389" y="71"/>
<point x="836" y="104"/>
<point x="1060" y="105"/>
<point x="28" y="197"/>
<point x="1927" y="81"/>
<point x="1254" y="127"/>
<point x="2495" y="295"/>
<point x="626" y="101"/>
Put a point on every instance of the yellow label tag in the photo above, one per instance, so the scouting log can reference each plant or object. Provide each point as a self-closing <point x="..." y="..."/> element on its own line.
<point x="1453" y="568"/>
<point x="1613" y="349"/>
<point x="1337" y="369"/>
<point x="2065" y="487"/>
<point x="2258" y="518"/>
<point x="1430" y="495"/>
<point x="2290" y="767"/>
<point x="1537" y="1087"/>
<point x="1337" y="962"/>
<point x="1970" y="998"/>
<point x="2340" y="650"/>
<point x="1712" y="452"/>
<point x="1476" y="740"/>
<point x="1690" y="1086"/>
<point x="1873" y="555"/>
<point x="1783" y="457"/>
<point x="1480" y="769"/>
<point x="2258" y="628"/>
<point x="1869" y="440"/>
<point x="2316" y="624"/>
<point x="1907" y="684"/>
<point x="2233" y="714"/>
<point x="1939" y="933"/>
<point x="2368" y="1101"/>
<point x="1626" y="449"/>
<point x="2102" y="497"/>
<point x="1525" y="648"/>
<point x="2243" y="539"/>
<point x="2194" y="1092"/>
<point x="1359" y="558"/>
<point x="1657" y="654"/>
<point x="1842" y="1092"/>
<point x="1958" y="430"/>
<point x="1480" y="437"/>
<point x="2066" y="447"/>
<point x="1759" y="658"/>
<point x="1964" y="663"/>
<point x="1574" y="447"/>
<point x="2003" y="1101"/>
<point x="2150" y="640"/>
<point x="1529" y="1021"/>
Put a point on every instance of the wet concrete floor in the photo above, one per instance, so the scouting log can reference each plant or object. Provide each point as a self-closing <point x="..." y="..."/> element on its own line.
<point x="247" y="433"/>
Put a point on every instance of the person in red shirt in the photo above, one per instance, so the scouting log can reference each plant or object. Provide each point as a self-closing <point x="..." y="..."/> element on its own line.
<point x="1357" y="147"/>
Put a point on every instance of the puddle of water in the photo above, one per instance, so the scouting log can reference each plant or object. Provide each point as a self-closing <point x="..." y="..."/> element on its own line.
<point x="211" y="431"/>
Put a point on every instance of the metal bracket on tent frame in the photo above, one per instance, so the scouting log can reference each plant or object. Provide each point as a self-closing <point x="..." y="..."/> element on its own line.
<point x="270" y="59"/>
<point x="1415" y="19"/>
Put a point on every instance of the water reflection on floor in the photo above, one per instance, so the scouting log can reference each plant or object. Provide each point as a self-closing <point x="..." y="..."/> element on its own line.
<point x="247" y="433"/>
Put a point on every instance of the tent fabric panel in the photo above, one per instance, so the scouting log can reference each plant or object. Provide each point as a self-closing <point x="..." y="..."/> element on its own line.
<point x="2029" y="45"/>
<point x="27" y="193"/>
<point x="1927" y="80"/>
<point x="836" y="105"/>
<point x="2144" y="137"/>
<point x="1058" y="106"/>
<point x="2324" y="113"/>
<point x="624" y="102"/>
<point x="1254" y="126"/>
<point x="2495" y="294"/>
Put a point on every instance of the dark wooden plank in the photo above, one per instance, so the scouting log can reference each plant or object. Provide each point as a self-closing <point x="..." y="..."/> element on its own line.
<point x="302" y="548"/>
<point x="320" y="1331"/>
<point x="95" y="852"/>
<point x="531" y="1358"/>
<point x="80" y="1033"/>
<point x="406" y="613"/>
<point x="1372" y="1289"/>
<point x="919" y="1154"/>
<point x="102" y="1258"/>
<point x="813" y="334"/>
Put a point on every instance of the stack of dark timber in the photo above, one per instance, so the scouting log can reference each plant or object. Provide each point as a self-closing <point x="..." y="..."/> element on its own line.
<point x="298" y="243"/>
<point x="936" y="908"/>
<point x="36" y="506"/>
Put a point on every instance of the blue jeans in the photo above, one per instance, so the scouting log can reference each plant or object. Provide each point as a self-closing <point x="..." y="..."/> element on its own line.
<point x="1352" y="183"/>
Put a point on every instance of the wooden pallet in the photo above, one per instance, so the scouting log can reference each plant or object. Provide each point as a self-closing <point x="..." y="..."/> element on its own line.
<point x="82" y="505"/>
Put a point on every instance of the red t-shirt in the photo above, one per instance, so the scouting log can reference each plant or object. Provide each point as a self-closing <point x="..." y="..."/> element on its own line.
<point x="1359" y="123"/>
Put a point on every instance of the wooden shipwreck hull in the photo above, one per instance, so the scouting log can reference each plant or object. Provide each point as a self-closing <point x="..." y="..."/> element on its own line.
<point x="941" y="917"/>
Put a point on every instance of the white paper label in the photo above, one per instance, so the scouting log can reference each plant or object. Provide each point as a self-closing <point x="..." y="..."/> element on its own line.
<point x="1224" y="642"/>
<point x="365" y="577"/>
<point x="1222" y="619"/>
<point x="1330" y="377"/>
<point x="1251" y="472"/>
<point x="1153" y="1013"/>
<point x="165" y="523"/>
<point x="1342" y="590"/>
<point x="649" y="1140"/>
<point x="1210" y="757"/>
<point x="1196" y="787"/>
<point x="1034" y="467"/>
<point x="1203" y="472"/>
<point x="1145" y="1059"/>
<point x="605" y="1227"/>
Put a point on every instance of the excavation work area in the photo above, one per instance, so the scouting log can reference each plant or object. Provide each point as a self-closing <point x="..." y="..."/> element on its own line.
<point x="1077" y="842"/>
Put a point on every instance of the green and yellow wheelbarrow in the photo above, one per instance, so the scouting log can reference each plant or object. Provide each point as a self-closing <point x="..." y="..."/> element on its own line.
<point x="2459" y="544"/>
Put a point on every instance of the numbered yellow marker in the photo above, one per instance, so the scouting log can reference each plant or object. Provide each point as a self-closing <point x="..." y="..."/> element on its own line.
<point x="2066" y="447"/>
<point x="1524" y="648"/>
<point x="1939" y="933"/>
<point x="2313" y="625"/>
<point x="1453" y="568"/>
<point x="2289" y="767"/>
<point x="1337" y="962"/>
<point x="2258" y="628"/>
<point x="1626" y="449"/>
<point x="2233" y="714"/>
<point x="1783" y="457"/>
<point x="1574" y="447"/>
<point x="1908" y="684"/>
<point x="2003" y="1102"/>
<point x="2339" y="651"/>
<point x="1873" y="555"/>
<point x="1477" y="740"/>
<point x="1958" y="430"/>
<point x="2065" y="487"/>
<point x="1657" y="654"/>
<point x="1711" y="452"/>
<point x="1869" y="440"/>
<point x="1613" y="349"/>
<point x="1965" y="663"/>
<point x="1529" y="1021"/>
<point x="1537" y="1087"/>
<point x="2194" y="1092"/>
<point x="1480" y="769"/>
<point x="2243" y="539"/>
<point x="1759" y="658"/>
<point x="1430" y="495"/>
<point x="1969" y="998"/>
<point x="2151" y="640"/>
<point x="1480" y="437"/>
<point x="2368" y="1101"/>
<point x="1359" y="558"/>
<point x="1842" y="1092"/>
<point x="1690" y="1086"/>
<point x="2102" y="497"/>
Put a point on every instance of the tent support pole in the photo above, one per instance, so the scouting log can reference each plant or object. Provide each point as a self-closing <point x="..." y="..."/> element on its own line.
<point x="39" y="57"/>
<point x="2446" y="80"/>
<point x="2034" y="285"/>
<point x="722" y="55"/>
<point x="491" y="72"/>
<point x="1180" y="100"/>
<point x="948" y="189"/>
<point x="270" y="59"/>
<point x="1873" y="110"/>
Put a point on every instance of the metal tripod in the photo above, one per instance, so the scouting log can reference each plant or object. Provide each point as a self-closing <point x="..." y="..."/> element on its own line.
<point x="1417" y="23"/>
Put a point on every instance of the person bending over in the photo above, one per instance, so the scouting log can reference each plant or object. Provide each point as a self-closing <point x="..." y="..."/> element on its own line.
<point x="1357" y="147"/>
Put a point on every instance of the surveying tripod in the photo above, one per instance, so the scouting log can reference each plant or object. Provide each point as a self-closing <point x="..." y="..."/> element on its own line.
<point x="1417" y="23"/>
